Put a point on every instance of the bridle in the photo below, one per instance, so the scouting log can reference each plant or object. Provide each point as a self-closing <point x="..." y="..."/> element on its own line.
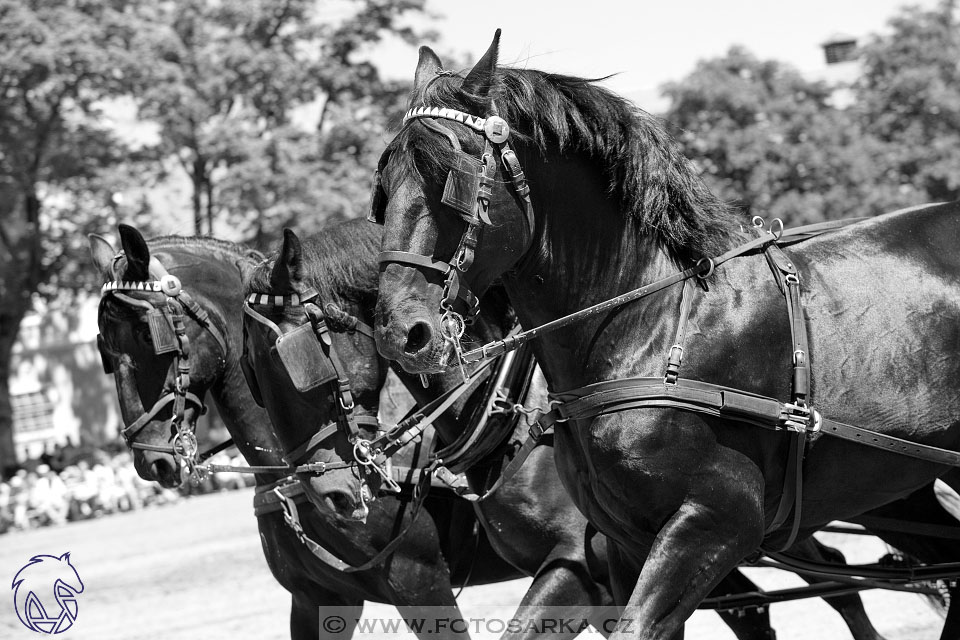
<point x="467" y="192"/>
<point x="308" y="357"/>
<point x="168" y="333"/>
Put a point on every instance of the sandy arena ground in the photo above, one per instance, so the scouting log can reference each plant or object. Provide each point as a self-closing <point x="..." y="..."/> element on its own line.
<point x="195" y="570"/>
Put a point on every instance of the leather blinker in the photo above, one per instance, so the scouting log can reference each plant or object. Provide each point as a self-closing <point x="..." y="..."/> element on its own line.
<point x="463" y="185"/>
<point x="104" y="356"/>
<point x="378" y="201"/>
<point x="251" y="379"/>
<point x="161" y="332"/>
<point x="304" y="359"/>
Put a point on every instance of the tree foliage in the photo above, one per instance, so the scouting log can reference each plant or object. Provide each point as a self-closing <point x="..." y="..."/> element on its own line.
<point x="772" y="141"/>
<point x="908" y="98"/>
<point x="58" y="62"/>
<point x="235" y="80"/>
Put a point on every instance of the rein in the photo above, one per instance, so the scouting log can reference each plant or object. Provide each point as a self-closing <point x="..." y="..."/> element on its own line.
<point x="168" y="335"/>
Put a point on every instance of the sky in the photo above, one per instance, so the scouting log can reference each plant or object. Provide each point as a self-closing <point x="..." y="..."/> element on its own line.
<point x="645" y="43"/>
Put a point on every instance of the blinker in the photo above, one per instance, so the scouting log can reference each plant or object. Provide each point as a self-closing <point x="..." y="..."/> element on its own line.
<point x="378" y="201"/>
<point x="161" y="332"/>
<point x="251" y="379"/>
<point x="104" y="356"/>
<point x="463" y="185"/>
<point x="304" y="359"/>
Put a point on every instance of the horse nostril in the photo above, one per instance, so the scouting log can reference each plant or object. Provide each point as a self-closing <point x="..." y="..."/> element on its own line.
<point x="340" y="502"/>
<point x="417" y="338"/>
<point x="164" y="472"/>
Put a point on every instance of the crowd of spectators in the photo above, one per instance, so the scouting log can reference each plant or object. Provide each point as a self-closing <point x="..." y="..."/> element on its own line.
<point x="58" y="489"/>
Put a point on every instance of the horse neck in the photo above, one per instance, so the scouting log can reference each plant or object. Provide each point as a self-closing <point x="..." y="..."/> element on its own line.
<point x="587" y="251"/>
<point x="247" y="423"/>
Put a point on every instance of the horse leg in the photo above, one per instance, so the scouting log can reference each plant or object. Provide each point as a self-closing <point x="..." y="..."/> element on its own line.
<point x="850" y="607"/>
<point x="951" y="625"/>
<point x="693" y="551"/>
<point x="305" y="623"/>
<point x="564" y="589"/>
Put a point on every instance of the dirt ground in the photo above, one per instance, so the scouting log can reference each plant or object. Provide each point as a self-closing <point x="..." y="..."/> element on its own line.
<point x="195" y="570"/>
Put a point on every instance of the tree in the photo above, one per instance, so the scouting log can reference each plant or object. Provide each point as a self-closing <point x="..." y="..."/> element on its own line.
<point x="908" y="98"/>
<point x="228" y="80"/>
<point x="771" y="141"/>
<point x="58" y="61"/>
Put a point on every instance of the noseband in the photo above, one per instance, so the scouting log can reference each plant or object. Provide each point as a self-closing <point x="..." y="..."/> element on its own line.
<point x="168" y="334"/>
<point x="467" y="191"/>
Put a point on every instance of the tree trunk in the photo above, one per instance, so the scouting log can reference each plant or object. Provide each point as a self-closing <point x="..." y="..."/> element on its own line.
<point x="198" y="178"/>
<point x="10" y="318"/>
<point x="208" y="183"/>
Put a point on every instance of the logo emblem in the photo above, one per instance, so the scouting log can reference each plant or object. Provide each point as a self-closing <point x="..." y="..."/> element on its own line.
<point x="45" y="594"/>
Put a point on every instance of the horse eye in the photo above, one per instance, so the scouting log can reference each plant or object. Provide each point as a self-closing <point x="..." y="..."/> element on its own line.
<point x="143" y="335"/>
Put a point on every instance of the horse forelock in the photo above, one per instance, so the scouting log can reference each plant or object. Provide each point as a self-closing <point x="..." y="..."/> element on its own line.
<point x="646" y="174"/>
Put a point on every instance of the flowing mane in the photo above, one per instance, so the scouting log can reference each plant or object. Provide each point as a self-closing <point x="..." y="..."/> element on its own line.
<point x="647" y="175"/>
<point x="339" y="261"/>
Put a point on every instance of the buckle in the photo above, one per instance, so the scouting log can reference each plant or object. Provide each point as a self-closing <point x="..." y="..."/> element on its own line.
<point x="800" y="418"/>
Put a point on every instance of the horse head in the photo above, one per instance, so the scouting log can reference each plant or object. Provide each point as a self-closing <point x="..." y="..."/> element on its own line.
<point x="312" y="365"/>
<point x="163" y="348"/>
<point x="456" y="211"/>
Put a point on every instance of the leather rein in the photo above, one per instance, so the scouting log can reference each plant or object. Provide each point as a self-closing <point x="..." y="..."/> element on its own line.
<point x="797" y="418"/>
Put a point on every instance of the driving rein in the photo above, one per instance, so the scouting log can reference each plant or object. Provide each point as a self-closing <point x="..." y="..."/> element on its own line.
<point x="797" y="418"/>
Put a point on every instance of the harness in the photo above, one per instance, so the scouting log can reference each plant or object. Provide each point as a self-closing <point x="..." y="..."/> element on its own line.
<point x="797" y="418"/>
<point x="168" y="334"/>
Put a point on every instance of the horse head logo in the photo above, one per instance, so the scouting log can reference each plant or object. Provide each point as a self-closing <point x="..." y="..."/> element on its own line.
<point x="45" y="594"/>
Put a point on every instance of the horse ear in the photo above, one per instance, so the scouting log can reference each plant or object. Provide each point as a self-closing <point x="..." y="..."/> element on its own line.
<point x="137" y="252"/>
<point x="102" y="253"/>
<point x="287" y="268"/>
<point x="479" y="81"/>
<point x="66" y="557"/>
<point x="427" y="67"/>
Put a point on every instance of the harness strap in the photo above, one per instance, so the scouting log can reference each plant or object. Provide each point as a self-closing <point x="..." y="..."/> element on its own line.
<point x="508" y="344"/>
<point x="291" y="516"/>
<point x="409" y="428"/>
<point x="455" y="290"/>
<point x="534" y="436"/>
<point x="130" y="431"/>
<point x="301" y="452"/>
<point x="675" y="357"/>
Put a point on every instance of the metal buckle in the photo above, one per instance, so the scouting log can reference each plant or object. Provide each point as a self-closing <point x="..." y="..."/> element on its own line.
<point x="798" y="418"/>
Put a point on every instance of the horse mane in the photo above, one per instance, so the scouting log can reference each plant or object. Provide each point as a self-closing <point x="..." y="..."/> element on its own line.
<point x="652" y="182"/>
<point x="338" y="261"/>
<point x="231" y="249"/>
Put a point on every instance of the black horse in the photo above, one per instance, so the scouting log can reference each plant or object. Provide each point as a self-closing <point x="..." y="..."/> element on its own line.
<point x="572" y="196"/>
<point x="211" y="272"/>
<point x="530" y="520"/>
